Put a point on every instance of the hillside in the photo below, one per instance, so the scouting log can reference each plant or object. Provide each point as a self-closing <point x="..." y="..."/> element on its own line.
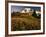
<point x="24" y="22"/>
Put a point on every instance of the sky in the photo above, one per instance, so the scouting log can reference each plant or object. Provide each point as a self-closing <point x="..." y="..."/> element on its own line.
<point x="20" y="8"/>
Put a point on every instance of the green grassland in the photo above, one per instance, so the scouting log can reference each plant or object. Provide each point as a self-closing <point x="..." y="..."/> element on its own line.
<point x="26" y="22"/>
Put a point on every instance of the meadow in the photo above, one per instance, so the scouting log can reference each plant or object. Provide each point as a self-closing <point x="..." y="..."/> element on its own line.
<point x="20" y="22"/>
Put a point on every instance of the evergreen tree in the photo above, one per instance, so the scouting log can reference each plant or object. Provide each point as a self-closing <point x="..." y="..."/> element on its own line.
<point x="34" y="14"/>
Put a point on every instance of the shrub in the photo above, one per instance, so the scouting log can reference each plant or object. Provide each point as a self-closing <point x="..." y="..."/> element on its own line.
<point x="17" y="14"/>
<point x="13" y="14"/>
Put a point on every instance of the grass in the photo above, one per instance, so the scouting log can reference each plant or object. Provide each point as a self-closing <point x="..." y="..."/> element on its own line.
<point x="25" y="23"/>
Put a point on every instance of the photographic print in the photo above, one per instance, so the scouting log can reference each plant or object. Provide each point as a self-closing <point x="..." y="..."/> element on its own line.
<point x="25" y="18"/>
